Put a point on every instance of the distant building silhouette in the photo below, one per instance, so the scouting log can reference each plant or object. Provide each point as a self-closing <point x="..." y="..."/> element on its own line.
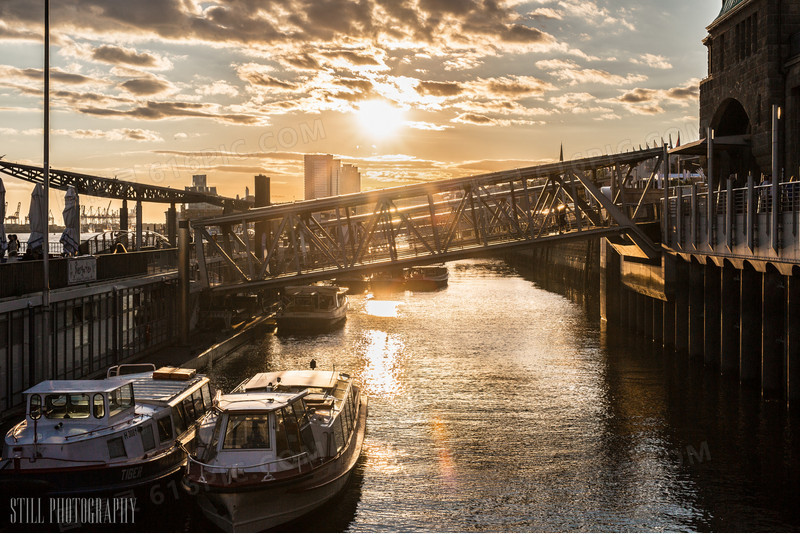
<point x="325" y="176"/>
<point x="200" y="209"/>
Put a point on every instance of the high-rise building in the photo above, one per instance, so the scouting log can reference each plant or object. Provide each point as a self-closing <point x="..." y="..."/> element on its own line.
<point x="349" y="179"/>
<point x="200" y="209"/>
<point x="325" y="176"/>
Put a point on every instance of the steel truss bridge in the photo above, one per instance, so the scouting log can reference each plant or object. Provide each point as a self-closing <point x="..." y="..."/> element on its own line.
<point x="432" y="222"/>
<point x="97" y="186"/>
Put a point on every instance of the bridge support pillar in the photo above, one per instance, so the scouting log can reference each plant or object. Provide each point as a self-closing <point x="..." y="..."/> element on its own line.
<point x="696" y="323"/>
<point x="773" y="340"/>
<point x="123" y="221"/>
<point x="648" y="316"/>
<point x="730" y="320"/>
<point x="749" y="325"/>
<point x="610" y="284"/>
<point x="633" y="310"/>
<point x="183" y="281"/>
<point x="793" y="341"/>
<point x="711" y="315"/>
<point x="681" y="306"/>
<point x="658" y="321"/>
<point x="669" y="322"/>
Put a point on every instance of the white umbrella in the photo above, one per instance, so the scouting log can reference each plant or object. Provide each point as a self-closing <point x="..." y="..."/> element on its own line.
<point x="37" y="218"/>
<point x="71" y="237"/>
<point x="3" y="243"/>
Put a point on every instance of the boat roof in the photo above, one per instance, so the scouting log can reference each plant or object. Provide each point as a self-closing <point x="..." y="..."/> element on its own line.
<point x="78" y="386"/>
<point x="256" y="402"/>
<point x="147" y="388"/>
<point x="312" y="290"/>
<point x="304" y="378"/>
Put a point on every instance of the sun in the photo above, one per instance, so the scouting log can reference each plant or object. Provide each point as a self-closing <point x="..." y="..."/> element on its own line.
<point x="378" y="118"/>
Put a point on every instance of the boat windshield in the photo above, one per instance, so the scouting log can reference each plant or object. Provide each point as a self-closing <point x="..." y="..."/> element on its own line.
<point x="247" y="431"/>
<point x="120" y="399"/>
<point x="66" y="406"/>
<point x="326" y="302"/>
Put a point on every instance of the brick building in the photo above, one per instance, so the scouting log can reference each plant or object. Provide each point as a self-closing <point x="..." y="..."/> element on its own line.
<point x="753" y="64"/>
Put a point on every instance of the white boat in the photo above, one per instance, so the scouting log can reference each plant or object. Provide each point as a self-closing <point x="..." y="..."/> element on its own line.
<point x="276" y="448"/>
<point x="87" y="436"/>
<point x="426" y="277"/>
<point x="312" y="308"/>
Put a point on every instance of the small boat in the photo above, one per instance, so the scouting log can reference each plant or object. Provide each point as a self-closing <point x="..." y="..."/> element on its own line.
<point x="426" y="277"/>
<point x="387" y="281"/>
<point x="276" y="448"/>
<point x="312" y="308"/>
<point x="89" y="436"/>
<point x="355" y="282"/>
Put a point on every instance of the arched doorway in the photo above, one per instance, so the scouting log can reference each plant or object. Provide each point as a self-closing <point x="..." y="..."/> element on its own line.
<point x="731" y="119"/>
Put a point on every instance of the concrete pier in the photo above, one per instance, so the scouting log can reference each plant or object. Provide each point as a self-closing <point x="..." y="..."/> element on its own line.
<point x="682" y="306"/>
<point x="730" y="320"/>
<point x="711" y="315"/>
<point x="696" y="322"/>
<point x="773" y="344"/>
<point x="749" y="325"/>
<point x="793" y="339"/>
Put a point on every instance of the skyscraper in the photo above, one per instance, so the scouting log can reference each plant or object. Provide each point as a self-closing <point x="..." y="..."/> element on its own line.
<point x="326" y="176"/>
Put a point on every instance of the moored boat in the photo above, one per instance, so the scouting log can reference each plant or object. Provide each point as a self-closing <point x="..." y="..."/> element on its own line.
<point x="276" y="448"/>
<point x="87" y="436"/>
<point x="312" y="308"/>
<point x="426" y="277"/>
<point x="386" y="281"/>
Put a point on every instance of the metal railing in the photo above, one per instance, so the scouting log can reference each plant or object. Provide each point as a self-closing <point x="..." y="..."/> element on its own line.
<point x="232" y="472"/>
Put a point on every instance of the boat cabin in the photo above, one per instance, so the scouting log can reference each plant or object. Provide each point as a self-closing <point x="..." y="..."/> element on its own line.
<point x="80" y="401"/>
<point x="310" y="298"/>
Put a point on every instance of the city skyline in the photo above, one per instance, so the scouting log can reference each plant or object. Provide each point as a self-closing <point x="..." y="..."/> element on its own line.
<point x="155" y="92"/>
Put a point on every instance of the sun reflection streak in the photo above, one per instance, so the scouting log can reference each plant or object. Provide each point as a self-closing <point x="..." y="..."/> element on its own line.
<point x="382" y="353"/>
<point x="381" y="308"/>
<point x="441" y="443"/>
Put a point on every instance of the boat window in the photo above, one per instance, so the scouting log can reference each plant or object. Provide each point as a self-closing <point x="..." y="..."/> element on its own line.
<point x="325" y="302"/>
<point x="197" y="397"/>
<point x="281" y="444"/>
<point x="305" y="428"/>
<point x="120" y="399"/>
<point x="164" y="429"/>
<point x="188" y="406"/>
<point x="36" y="406"/>
<point x="340" y="390"/>
<point x="66" y="406"/>
<point x="249" y="431"/>
<point x="338" y="433"/>
<point x="292" y="431"/>
<point x="207" y="399"/>
<point x="179" y="417"/>
<point x="148" y="441"/>
<point x="346" y="417"/>
<point x="98" y="406"/>
<point x="116" y="449"/>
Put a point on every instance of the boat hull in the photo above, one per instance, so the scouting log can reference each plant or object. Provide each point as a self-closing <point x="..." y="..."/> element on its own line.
<point x="89" y="480"/>
<point x="309" y="323"/>
<point x="274" y="503"/>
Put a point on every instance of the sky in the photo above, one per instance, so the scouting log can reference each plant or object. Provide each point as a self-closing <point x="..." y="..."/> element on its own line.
<point x="155" y="91"/>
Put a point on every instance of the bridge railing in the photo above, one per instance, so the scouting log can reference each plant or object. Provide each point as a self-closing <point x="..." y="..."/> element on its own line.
<point x="742" y="226"/>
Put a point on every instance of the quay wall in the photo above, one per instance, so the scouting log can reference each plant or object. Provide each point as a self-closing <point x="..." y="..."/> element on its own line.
<point x="737" y="318"/>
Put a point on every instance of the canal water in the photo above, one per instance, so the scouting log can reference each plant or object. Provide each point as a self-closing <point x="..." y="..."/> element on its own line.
<point x="498" y="406"/>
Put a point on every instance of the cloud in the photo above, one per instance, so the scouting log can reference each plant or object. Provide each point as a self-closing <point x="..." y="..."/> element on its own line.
<point x="8" y="72"/>
<point x="644" y="101"/>
<point x="474" y="118"/>
<point x="256" y="74"/>
<point x="120" y="134"/>
<point x="439" y="88"/>
<point x="173" y="110"/>
<point x="146" y="86"/>
<point x="117" y="55"/>
<point x="571" y="72"/>
<point x="652" y="60"/>
<point x="421" y="125"/>
<point x="217" y="87"/>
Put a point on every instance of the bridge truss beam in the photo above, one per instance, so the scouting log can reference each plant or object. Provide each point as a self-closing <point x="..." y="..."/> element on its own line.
<point x="97" y="186"/>
<point x="417" y="224"/>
